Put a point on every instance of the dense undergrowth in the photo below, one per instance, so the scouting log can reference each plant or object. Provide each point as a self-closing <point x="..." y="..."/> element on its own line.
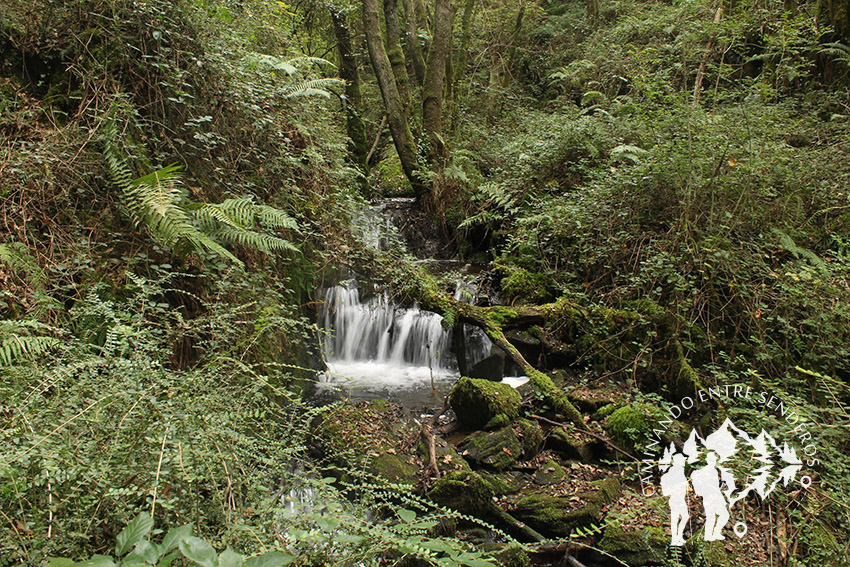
<point x="174" y="183"/>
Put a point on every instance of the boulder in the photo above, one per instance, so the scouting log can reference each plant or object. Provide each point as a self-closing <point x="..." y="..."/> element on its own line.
<point x="628" y="428"/>
<point x="466" y="492"/>
<point x="370" y="434"/>
<point x="572" y="444"/>
<point x="557" y="516"/>
<point x="489" y="368"/>
<point x="634" y="541"/>
<point x="550" y="472"/>
<point x="476" y="402"/>
<point x="497" y="449"/>
<point x="531" y="435"/>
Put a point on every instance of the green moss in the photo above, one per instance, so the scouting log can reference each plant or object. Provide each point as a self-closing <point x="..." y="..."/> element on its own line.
<point x="550" y="472"/>
<point x="499" y="315"/>
<point x="477" y="401"/>
<point x="505" y="483"/>
<point x="565" y="443"/>
<point x="556" y="516"/>
<point x="531" y="436"/>
<point x="497" y="421"/>
<point x="513" y="557"/>
<point x="636" y="545"/>
<point x="465" y="492"/>
<point x="605" y="411"/>
<point x="497" y="449"/>
<point x="628" y="428"/>
<point x="529" y="287"/>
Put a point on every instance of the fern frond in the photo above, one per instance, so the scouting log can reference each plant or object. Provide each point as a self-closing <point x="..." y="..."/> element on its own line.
<point x="17" y="256"/>
<point x="16" y="347"/>
<point x="263" y="242"/>
<point x="271" y="217"/>
<point x="312" y="87"/>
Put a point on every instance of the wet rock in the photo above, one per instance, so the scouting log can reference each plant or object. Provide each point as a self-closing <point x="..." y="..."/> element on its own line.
<point x="631" y="538"/>
<point x="489" y="368"/>
<point x="476" y="402"/>
<point x="556" y="516"/>
<point x="497" y="449"/>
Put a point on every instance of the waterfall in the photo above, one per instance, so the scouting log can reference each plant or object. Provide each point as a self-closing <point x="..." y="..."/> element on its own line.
<point x="379" y="331"/>
<point x="376" y="348"/>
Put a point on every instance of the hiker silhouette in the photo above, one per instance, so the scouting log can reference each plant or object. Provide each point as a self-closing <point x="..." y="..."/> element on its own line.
<point x="706" y="483"/>
<point x="674" y="485"/>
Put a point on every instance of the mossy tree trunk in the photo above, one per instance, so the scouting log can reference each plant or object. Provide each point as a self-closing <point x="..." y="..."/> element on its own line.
<point x="395" y="53"/>
<point x="358" y="145"/>
<point x="435" y="74"/>
<point x="415" y="16"/>
<point x="396" y="115"/>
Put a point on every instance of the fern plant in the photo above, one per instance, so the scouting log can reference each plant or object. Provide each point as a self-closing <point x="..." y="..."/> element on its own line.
<point x="158" y="202"/>
<point x="19" y="342"/>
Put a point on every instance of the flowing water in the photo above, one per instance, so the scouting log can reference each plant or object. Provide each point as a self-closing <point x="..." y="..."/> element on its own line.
<point x="377" y="349"/>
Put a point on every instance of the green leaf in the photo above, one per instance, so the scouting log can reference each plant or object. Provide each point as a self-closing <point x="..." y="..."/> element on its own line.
<point x="230" y="558"/>
<point x="135" y="531"/>
<point x="166" y="561"/>
<point x="270" y="559"/>
<point x="173" y="537"/>
<point x="97" y="561"/>
<point x="474" y="562"/>
<point x="143" y="553"/>
<point x="197" y="550"/>
<point x="59" y="562"/>
<point x="407" y="516"/>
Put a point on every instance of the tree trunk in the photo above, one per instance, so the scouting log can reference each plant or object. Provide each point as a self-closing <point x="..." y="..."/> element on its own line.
<point x="435" y="74"/>
<point x="395" y="53"/>
<point x="396" y="116"/>
<point x="460" y="66"/>
<point x="412" y="39"/>
<point x="358" y="145"/>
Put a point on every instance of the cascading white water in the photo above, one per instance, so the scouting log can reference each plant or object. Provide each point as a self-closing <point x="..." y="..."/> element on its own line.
<point x="381" y="332"/>
<point x="377" y="349"/>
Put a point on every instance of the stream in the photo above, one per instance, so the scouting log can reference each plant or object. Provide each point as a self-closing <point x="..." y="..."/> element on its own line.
<point x="375" y="348"/>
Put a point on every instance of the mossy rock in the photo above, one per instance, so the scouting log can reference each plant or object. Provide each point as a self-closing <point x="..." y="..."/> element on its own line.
<point x="521" y="338"/>
<point x="476" y="401"/>
<point x="448" y="457"/>
<point x="466" y="492"/>
<point x="628" y="428"/>
<point x="497" y="449"/>
<point x="504" y="483"/>
<point x="633" y="542"/>
<point x="513" y="557"/>
<point x="590" y="399"/>
<point x="557" y="516"/>
<point x="550" y="472"/>
<point x="370" y="434"/>
<point x="605" y="411"/>
<point x="531" y="437"/>
<point x="572" y="445"/>
<point x="712" y="553"/>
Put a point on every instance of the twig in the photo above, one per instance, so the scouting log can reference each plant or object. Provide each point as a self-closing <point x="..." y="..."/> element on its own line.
<point x="428" y="434"/>
<point x="377" y="139"/>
